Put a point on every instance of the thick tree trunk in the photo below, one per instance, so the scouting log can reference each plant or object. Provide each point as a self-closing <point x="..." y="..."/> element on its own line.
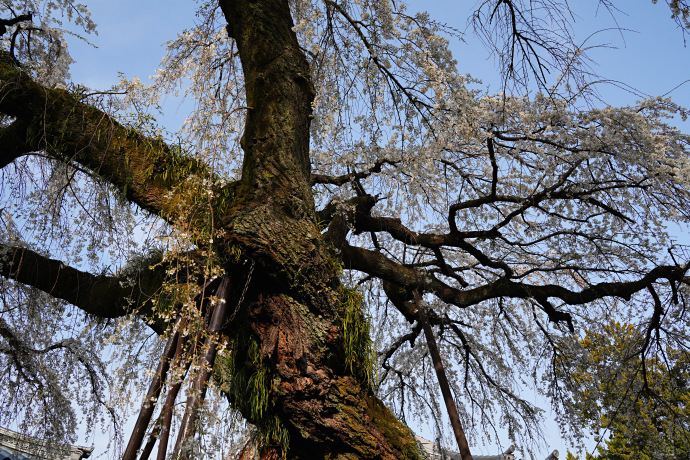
<point x="300" y="364"/>
<point x="294" y="372"/>
<point x="299" y="361"/>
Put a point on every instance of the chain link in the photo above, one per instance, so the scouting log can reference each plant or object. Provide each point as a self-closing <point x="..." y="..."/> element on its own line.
<point x="244" y="291"/>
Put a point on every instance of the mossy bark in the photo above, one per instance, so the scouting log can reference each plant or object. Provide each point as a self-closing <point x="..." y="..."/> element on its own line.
<point x="294" y="304"/>
<point x="160" y="179"/>
<point x="294" y="371"/>
<point x="290" y="364"/>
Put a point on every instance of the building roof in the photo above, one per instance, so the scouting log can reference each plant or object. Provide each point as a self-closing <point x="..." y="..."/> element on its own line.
<point x="17" y="446"/>
<point x="434" y="451"/>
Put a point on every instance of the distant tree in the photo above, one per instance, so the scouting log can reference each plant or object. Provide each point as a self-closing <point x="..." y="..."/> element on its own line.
<point x="338" y="191"/>
<point x="637" y="404"/>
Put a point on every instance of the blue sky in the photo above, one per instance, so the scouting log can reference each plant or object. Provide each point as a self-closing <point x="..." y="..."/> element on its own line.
<point x="649" y="55"/>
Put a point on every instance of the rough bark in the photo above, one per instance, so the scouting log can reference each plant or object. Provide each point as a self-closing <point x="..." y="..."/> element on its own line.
<point x="295" y="370"/>
<point x="294" y="320"/>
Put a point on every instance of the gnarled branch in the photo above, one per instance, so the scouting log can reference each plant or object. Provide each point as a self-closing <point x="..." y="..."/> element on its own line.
<point x="376" y="264"/>
<point x="99" y="295"/>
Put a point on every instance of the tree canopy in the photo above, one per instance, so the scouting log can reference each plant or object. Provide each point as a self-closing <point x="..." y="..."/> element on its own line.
<point x="344" y="234"/>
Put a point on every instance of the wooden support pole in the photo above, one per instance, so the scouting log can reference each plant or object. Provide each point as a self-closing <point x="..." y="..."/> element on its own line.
<point x="442" y="378"/>
<point x="198" y="390"/>
<point x="149" y="404"/>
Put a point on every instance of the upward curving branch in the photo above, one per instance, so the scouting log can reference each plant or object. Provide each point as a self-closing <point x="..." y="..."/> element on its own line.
<point x="150" y="173"/>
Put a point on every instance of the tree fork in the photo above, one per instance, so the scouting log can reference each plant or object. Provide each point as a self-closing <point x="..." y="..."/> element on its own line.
<point x="295" y="320"/>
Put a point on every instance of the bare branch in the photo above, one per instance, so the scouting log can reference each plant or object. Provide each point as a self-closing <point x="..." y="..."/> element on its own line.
<point x="345" y="178"/>
<point x="376" y="264"/>
<point x="4" y="23"/>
